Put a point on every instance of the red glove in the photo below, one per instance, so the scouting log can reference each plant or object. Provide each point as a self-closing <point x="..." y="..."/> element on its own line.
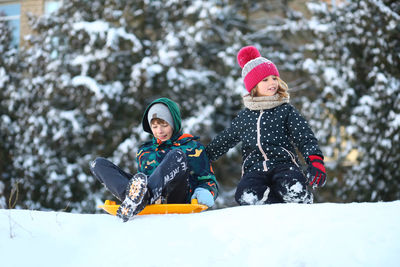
<point x="316" y="171"/>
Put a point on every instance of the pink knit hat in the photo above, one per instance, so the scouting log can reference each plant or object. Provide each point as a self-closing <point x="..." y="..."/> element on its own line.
<point x="254" y="67"/>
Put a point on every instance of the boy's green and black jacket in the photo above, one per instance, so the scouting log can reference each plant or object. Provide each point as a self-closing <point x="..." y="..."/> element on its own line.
<point x="151" y="154"/>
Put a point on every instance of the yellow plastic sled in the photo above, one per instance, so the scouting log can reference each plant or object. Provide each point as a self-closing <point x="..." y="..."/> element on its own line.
<point x="111" y="207"/>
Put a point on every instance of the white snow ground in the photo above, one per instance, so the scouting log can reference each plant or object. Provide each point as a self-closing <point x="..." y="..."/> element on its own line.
<point x="328" y="234"/>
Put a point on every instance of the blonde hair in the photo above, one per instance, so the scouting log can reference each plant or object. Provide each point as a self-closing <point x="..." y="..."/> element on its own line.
<point x="282" y="89"/>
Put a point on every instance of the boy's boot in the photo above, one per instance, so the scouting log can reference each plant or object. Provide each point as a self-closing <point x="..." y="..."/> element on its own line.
<point x="136" y="198"/>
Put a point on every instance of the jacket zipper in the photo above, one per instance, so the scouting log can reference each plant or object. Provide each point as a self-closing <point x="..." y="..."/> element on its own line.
<point x="259" y="141"/>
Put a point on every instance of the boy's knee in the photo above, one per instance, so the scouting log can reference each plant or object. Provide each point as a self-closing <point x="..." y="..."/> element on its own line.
<point x="178" y="154"/>
<point x="97" y="162"/>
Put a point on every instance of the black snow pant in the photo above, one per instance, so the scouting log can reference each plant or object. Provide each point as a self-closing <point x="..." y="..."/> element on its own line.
<point x="169" y="183"/>
<point x="283" y="184"/>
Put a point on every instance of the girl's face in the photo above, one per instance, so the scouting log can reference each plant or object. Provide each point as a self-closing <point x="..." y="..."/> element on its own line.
<point x="268" y="86"/>
<point x="161" y="130"/>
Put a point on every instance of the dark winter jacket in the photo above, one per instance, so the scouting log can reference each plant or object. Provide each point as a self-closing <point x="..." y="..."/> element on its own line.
<point x="268" y="138"/>
<point x="151" y="154"/>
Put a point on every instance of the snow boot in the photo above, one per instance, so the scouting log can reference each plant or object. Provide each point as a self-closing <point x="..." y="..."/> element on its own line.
<point x="136" y="198"/>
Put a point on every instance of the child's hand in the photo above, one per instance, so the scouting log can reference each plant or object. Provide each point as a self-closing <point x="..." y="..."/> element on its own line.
<point x="203" y="196"/>
<point x="316" y="171"/>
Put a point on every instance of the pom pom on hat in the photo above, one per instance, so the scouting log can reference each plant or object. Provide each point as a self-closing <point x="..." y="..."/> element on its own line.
<point x="246" y="54"/>
<point x="254" y="67"/>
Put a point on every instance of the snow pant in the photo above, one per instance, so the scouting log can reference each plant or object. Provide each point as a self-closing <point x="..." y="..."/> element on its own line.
<point x="283" y="184"/>
<point x="169" y="183"/>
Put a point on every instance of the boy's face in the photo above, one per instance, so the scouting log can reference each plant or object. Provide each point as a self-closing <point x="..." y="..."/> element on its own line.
<point x="161" y="130"/>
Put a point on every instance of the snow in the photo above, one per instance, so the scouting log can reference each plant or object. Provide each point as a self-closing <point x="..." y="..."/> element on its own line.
<point x="193" y="123"/>
<point x="88" y="82"/>
<point x="326" y="234"/>
<point x="93" y="27"/>
<point x="3" y="77"/>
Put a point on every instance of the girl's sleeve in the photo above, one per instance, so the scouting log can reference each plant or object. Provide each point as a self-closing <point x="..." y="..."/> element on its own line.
<point x="301" y="134"/>
<point x="201" y="170"/>
<point x="224" y="141"/>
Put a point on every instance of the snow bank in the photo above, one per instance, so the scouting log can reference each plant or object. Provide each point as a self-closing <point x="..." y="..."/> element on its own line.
<point x="357" y="234"/>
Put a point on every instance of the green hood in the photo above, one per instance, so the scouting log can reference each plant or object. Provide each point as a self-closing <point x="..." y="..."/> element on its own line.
<point x="173" y="108"/>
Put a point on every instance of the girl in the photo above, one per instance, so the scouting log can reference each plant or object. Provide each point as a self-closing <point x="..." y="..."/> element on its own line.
<point x="269" y="129"/>
<point x="172" y="167"/>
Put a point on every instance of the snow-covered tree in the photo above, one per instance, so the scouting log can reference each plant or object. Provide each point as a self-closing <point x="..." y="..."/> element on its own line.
<point x="73" y="103"/>
<point x="89" y="71"/>
<point x="355" y="71"/>
<point x="9" y="77"/>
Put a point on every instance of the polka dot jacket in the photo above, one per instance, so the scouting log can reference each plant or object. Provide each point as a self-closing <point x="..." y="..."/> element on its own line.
<point x="268" y="138"/>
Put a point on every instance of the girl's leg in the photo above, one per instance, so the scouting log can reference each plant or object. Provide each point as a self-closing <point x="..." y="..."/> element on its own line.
<point x="291" y="186"/>
<point x="169" y="183"/>
<point x="111" y="176"/>
<point x="254" y="189"/>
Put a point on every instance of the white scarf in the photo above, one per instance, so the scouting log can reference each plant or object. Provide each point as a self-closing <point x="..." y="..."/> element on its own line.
<point x="263" y="102"/>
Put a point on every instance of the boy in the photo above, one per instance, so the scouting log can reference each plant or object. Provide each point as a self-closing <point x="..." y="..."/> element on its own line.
<point x="172" y="168"/>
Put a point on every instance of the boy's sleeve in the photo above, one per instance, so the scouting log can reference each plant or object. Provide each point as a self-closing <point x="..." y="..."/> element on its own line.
<point x="141" y="157"/>
<point x="201" y="170"/>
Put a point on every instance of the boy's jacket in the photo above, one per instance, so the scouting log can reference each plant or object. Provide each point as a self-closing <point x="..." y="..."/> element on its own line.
<point x="151" y="154"/>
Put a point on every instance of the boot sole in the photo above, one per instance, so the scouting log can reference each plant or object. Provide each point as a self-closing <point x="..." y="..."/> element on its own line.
<point x="136" y="190"/>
